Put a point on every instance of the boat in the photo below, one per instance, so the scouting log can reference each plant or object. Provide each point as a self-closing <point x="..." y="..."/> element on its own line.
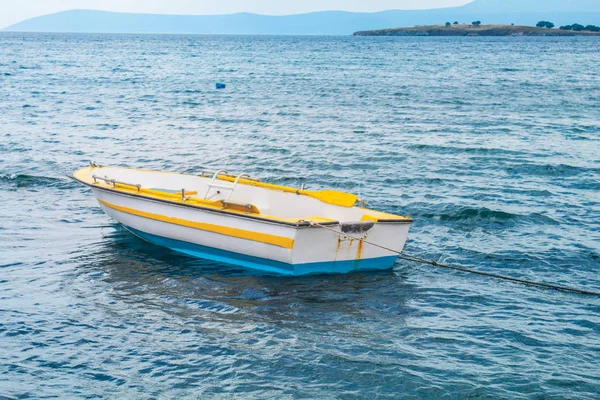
<point x="240" y="220"/>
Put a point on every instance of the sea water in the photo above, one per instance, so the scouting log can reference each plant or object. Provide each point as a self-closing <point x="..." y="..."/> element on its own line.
<point x="492" y="145"/>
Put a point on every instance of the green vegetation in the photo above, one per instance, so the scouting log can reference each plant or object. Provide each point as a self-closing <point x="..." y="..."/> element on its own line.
<point x="476" y="29"/>
<point x="448" y="24"/>
<point x="476" y="23"/>
<point x="580" y="28"/>
<point x="455" y="23"/>
<point x="545" y="24"/>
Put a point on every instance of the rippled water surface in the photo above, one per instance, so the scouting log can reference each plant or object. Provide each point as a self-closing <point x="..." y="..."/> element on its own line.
<point x="491" y="145"/>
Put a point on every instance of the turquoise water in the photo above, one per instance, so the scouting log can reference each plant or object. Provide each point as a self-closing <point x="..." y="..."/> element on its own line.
<point x="491" y="145"/>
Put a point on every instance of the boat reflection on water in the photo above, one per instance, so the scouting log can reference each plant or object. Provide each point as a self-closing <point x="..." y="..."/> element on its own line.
<point x="133" y="276"/>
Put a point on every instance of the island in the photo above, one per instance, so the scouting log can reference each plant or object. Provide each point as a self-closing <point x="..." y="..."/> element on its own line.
<point x="474" y="30"/>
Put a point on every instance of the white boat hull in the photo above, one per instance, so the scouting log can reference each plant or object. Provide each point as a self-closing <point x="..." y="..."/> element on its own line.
<point x="262" y="244"/>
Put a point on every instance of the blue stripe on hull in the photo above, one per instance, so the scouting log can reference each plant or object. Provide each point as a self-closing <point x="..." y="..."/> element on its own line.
<point x="263" y="264"/>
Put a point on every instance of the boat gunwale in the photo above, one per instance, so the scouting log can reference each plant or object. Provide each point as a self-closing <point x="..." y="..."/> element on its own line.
<point x="304" y="224"/>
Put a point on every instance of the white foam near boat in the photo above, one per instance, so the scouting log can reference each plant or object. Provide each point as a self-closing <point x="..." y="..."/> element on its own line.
<point x="240" y="220"/>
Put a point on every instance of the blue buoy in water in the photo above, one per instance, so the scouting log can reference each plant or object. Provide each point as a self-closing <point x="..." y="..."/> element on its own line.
<point x="221" y="85"/>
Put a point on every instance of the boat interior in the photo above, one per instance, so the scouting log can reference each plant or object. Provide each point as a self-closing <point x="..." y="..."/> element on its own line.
<point x="238" y="194"/>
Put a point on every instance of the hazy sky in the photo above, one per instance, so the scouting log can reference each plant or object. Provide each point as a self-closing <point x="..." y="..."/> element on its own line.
<point x="12" y="11"/>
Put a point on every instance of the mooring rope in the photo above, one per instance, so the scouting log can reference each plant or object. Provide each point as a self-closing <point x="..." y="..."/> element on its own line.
<point x="415" y="259"/>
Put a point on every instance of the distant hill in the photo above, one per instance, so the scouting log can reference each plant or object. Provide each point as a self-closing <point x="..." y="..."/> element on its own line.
<point x="520" y="12"/>
<point x="533" y="6"/>
<point x="470" y="30"/>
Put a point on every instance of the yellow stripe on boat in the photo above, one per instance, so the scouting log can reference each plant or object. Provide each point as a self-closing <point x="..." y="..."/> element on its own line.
<point x="274" y="240"/>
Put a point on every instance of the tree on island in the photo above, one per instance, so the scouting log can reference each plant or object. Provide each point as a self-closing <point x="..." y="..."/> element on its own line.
<point x="448" y="24"/>
<point x="455" y="22"/>
<point x="476" y="23"/>
<point x="545" y="24"/>
<point x="580" y="28"/>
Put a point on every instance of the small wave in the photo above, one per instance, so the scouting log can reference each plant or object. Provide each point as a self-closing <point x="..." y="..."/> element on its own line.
<point x="461" y="150"/>
<point x="191" y="103"/>
<point x="467" y="213"/>
<point x="186" y="91"/>
<point x="579" y="137"/>
<point x="254" y="294"/>
<point x="586" y="184"/>
<point x="529" y="192"/>
<point x="28" y="181"/>
<point x="486" y="215"/>
<point x="105" y="126"/>
<point x="554" y="170"/>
